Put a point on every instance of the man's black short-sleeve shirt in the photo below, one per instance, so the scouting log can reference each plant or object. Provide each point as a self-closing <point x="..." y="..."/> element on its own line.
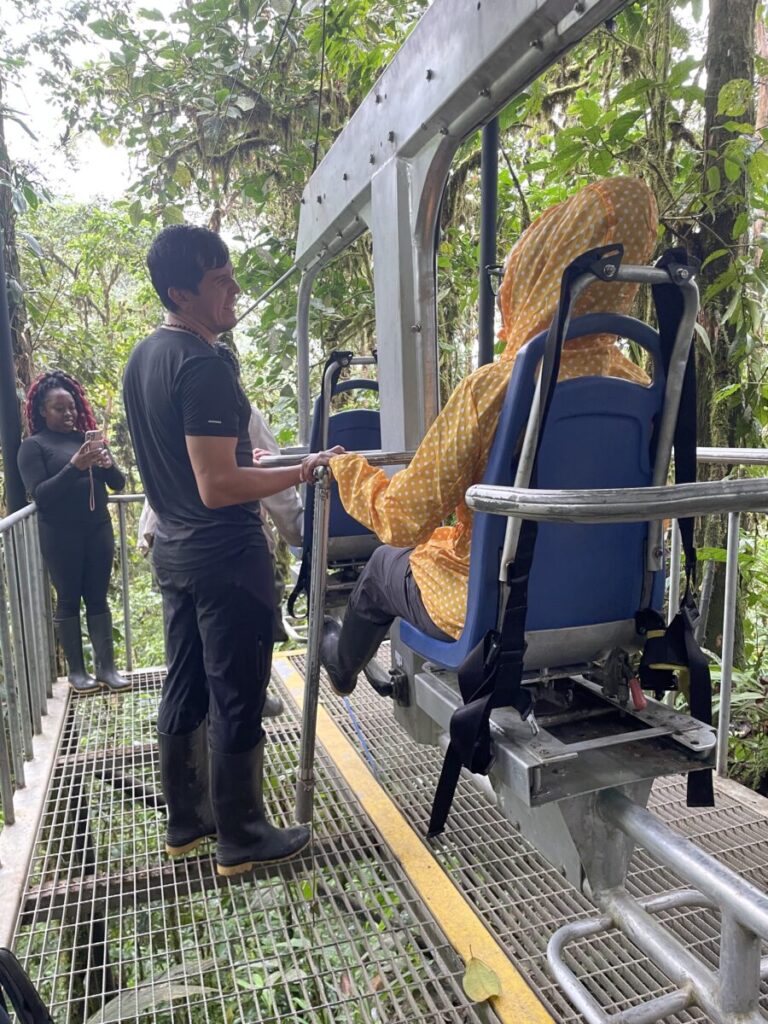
<point x="176" y="386"/>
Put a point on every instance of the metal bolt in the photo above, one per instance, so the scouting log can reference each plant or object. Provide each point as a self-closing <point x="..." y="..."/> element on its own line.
<point x="319" y="199"/>
<point x="485" y="93"/>
<point x="424" y="126"/>
<point x="430" y="73"/>
<point x="609" y="271"/>
<point x="682" y="274"/>
<point x="345" y="176"/>
<point x="391" y="136"/>
<point x="579" y="7"/>
<point x="303" y="200"/>
<point x="371" y="159"/>
<point x="443" y="131"/>
<point x="536" y="44"/>
<point x="415" y="328"/>
<point x="378" y="98"/>
<point x="658" y="552"/>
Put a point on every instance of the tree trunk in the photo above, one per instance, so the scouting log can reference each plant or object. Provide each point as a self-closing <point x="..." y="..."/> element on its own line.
<point x="729" y="55"/>
<point x="20" y="338"/>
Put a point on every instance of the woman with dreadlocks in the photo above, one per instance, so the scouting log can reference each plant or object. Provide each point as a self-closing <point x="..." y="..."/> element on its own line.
<point x="68" y="477"/>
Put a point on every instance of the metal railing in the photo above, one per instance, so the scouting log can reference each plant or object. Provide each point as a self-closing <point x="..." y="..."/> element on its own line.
<point x="27" y="651"/>
<point x="27" y="645"/>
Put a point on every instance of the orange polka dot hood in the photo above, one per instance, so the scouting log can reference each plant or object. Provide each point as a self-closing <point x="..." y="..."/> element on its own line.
<point x="408" y="509"/>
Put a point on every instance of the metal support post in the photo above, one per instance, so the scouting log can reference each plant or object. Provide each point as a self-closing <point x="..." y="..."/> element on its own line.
<point x="739" y="967"/>
<point x="489" y="180"/>
<point x="305" y="785"/>
<point x="126" y="588"/>
<point x="19" y="654"/>
<point x="8" y="683"/>
<point x="673" y="599"/>
<point x="729" y="625"/>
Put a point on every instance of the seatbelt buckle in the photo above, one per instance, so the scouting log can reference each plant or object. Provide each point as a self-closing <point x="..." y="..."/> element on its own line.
<point x="691" y="614"/>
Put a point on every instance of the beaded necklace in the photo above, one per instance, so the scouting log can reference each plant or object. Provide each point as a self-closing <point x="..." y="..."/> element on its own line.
<point x="183" y="327"/>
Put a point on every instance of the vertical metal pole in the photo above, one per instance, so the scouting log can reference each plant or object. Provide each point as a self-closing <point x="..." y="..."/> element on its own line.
<point x="10" y="677"/>
<point x="33" y="620"/>
<point x="23" y="632"/>
<point x="305" y="786"/>
<point x="729" y="625"/>
<point x="489" y="180"/>
<point x="739" y="980"/>
<point x="10" y="422"/>
<point x="674" y="572"/>
<point x="17" y="634"/>
<point x="126" y="587"/>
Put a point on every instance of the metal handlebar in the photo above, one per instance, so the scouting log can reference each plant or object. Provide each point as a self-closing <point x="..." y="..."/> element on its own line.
<point x="622" y="504"/>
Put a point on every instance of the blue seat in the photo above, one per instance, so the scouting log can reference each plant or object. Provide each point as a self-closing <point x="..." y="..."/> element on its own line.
<point x="356" y="430"/>
<point x="599" y="433"/>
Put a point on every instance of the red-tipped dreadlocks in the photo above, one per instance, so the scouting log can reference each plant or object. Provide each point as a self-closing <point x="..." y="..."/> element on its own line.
<point x="48" y="382"/>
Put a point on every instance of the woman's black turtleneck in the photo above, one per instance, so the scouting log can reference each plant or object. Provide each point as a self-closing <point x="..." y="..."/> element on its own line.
<point x="61" y="490"/>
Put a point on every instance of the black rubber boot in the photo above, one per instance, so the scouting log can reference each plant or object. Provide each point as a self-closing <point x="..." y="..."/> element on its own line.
<point x="346" y="649"/>
<point x="100" y="631"/>
<point x="68" y="633"/>
<point x="185" y="780"/>
<point x="245" y="838"/>
<point x="273" y="706"/>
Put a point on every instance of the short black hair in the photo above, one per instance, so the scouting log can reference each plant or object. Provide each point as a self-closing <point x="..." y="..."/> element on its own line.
<point x="179" y="257"/>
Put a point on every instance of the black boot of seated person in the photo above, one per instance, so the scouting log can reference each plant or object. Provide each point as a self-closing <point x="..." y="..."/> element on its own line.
<point x="346" y="650"/>
<point x="246" y="839"/>
<point x="68" y="633"/>
<point x="100" y="631"/>
<point x="185" y="781"/>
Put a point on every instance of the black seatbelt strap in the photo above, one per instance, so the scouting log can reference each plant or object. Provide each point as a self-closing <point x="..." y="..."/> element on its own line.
<point x="674" y="648"/>
<point x="491" y="676"/>
<point x="20" y="992"/>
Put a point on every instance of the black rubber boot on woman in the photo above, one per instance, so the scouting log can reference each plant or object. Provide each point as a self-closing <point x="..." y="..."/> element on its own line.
<point x="246" y="838"/>
<point x="68" y="633"/>
<point x="185" y="781"/>
<point x="100" y="631"/>
<point x="346" y="650"/>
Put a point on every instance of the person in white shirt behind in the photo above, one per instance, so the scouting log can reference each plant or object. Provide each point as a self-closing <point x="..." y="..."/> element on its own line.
<point x="285" y="510"/>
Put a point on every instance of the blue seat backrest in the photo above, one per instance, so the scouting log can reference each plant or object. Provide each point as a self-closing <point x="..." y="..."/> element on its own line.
<point x="599" y="433"/>
<point x="357" y="430"/>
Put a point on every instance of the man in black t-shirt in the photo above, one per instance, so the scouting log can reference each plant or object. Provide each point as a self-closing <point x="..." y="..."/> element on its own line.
<point x="188" y="419"/>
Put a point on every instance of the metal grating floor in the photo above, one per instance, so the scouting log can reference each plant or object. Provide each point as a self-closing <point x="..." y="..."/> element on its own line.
<point x="110" y="930"/>
<point x="519" y="896"/>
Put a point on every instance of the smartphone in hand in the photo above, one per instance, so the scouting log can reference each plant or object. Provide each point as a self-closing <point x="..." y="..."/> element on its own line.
<point x="94" y="439"/>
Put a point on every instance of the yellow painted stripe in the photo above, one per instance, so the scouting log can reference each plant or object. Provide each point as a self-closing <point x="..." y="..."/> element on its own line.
<point x="517" y="1004"/>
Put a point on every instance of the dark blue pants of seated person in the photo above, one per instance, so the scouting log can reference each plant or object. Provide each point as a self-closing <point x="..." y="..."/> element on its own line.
<point x="385" y="591"/>
<point x="219" y="624"/>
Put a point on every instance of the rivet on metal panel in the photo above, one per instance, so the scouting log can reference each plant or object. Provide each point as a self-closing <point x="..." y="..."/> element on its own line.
<point x="391" y="136"/>
<point x="485" y="93"/>
<point x="345" y="176"/>
<point x="430" y="74"/>
<point x="536" y="44"/>
<point x="319" y="199"/>
<point x="303" y="200"/>
<point x="443" y="131"/>
<point x="378" y="98"/>
<point x="579" y="7"/>
<point x="371" y="159"/>
<point x="424" y="126"/>
<point x="415" y="328"/>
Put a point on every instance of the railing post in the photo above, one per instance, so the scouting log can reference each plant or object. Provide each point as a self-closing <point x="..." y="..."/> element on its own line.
<point x="35" y="610"/>
<point x="125" y="587"/>
<point x="729" y="625"/>
<point x="305" y="785"/>
<point x="17" y="637"/>
<point x="25" y="628"/>
<point x="10" y="675"/>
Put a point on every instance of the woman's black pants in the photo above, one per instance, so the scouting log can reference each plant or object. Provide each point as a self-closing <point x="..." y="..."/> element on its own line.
<point x="79" y="560"/>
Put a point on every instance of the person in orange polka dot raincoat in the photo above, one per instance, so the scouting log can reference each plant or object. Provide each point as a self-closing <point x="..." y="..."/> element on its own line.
<point x="421" y="573"/>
